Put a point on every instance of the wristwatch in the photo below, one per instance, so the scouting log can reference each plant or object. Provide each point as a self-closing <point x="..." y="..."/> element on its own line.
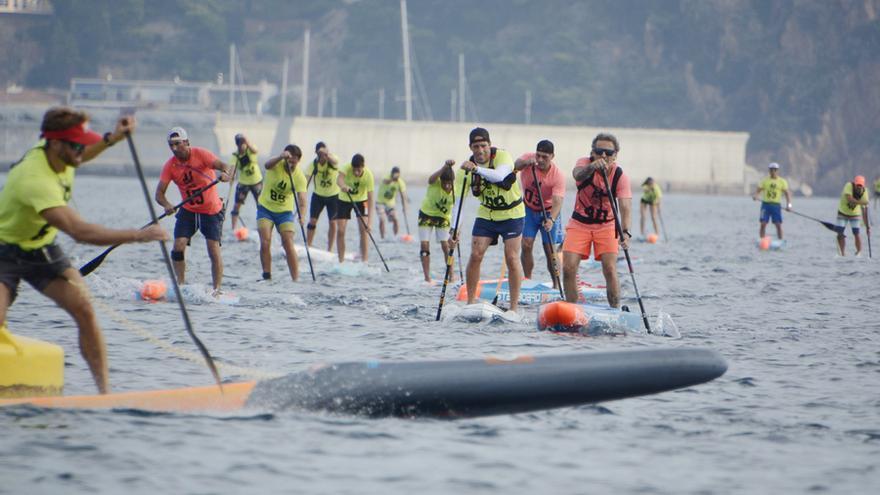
<point x="627" y="234"/>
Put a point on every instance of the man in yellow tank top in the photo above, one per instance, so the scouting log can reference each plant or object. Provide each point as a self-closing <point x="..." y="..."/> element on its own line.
<point x="852" y="208"/>
<point x="770" y="190"/>
<point x="501" y="213"/>
<point x="355" y="191"/>
<point x="33" y="208"/>
<point x="276" y="207"/>
<point x="250" y="180"/>
<point x="323" y="173"/>
<point x="389" y="187"/>
<point x="436" y="214"/>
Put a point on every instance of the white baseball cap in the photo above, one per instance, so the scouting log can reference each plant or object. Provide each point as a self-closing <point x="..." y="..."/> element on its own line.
<point x="773" y="165"/>
<point x="177" y="134"/>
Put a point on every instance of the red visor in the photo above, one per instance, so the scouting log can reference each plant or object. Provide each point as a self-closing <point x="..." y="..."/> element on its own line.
<point x="76" y="134"/>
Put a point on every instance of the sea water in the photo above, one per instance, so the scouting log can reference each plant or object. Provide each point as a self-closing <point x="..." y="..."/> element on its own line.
<point x="798" y="411"/>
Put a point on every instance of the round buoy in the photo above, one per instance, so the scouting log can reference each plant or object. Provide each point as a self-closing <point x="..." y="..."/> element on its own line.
<point x="652" y="238"/>
<point x="561" y="316"/>
<point x="241" y="233"/>
<point x="153" y="290"/>
<point x="406" y="237"/>
<point x="764" y="244"/>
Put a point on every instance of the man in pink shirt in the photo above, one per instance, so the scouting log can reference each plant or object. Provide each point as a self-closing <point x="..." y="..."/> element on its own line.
<point x="592" y="222"/>
<point x="192" y="168"/>
<point x="552" y="189"/>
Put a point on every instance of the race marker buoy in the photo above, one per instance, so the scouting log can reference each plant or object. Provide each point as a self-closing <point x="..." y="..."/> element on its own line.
<point x="153" y="290"/>
<point x="764" y="243"/>
<point x="241" y="233"/>
<point x="406" y="238"/>
<point x="652" y="238"/>
<point x="561" y="316"/>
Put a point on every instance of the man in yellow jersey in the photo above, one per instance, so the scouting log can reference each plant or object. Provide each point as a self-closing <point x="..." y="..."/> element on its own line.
<point x="356" y="191"/>
<point x="501" y="212"/>
<point x="388" y="189"/>
<point x="651" y="196"/>
<point x="250" y="179"/>
<point x="324" y="172"/>
<point x="770" y="190"/>
<point x="436" y="214"/>
<point x="275" y="208"/>
<point x="33" y="208"/>
<point x="852" y="208"/>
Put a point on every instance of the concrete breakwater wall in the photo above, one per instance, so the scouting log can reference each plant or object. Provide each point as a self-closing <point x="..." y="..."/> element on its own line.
<point x="681" y="160"/>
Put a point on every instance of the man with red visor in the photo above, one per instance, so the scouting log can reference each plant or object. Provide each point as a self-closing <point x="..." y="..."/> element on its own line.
<point x="33" y="208"/>
<point x="192" y="168"/>
<point x="592" y="222"/>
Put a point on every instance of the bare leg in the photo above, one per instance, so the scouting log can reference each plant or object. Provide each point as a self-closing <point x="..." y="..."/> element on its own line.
<point x="841" y="244"/>
<point x="512" y="248"/>
<point x="340" y="238"/>
<point x="365" y="243"/>
<point x="762" y="230"/>
<point x="180" y="266"/>
<point x="264" y="228"/>
<point x="779" y="230"/>
<point x="310" y="232"/>
<point x="331" y="234"/>
<point x="216" y="263"/>
<point x="654" y="209"/>
<point x="642" y="208"/>
<point x="290" y="251"/>
<point x="612" y="286"/>
<point x="526" y="258"/>
<point x="570" y="263"/>
<point x="5" y="298"/>
<point x="425" y="258"/>
<point x="71" y="294"/>
<point x="381" y="216"/>
<point x="858" y="238"/>
<point x="392" y="217"/>
<point x="478" y="249"/>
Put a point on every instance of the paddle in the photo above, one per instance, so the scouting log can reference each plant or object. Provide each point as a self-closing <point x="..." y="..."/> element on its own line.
<point x="357" y="212"/>
<point x="458" y="247"/>
<point x="555" y="262"/>
<point x="868" y="233"/>
<point x="189" y="328"/>
<point x="95" y="263"/>
<point x="405" y="218"/>
<point x="302" y="227"/>
<point x="662" y="225"/>
<point x="617" y="225"/>
<point x="828" y="225"/>
<point x="449" y="257"/>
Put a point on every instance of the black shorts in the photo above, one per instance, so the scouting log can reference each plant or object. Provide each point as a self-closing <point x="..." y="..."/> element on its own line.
<point x="319" y="202"/>
<point x="211" y="226"/>
<point x="343" y="209"/>
<point x="38" y="267"/>
<point x="241" y="192"/>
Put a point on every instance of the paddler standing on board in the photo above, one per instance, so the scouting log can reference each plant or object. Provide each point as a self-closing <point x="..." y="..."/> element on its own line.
<point x="851" y="210"/>
<point x="324" y="173"/>
<point x="591" y="227"/>
<point x="33" y="208"/>
<point x="650" y="201"/>
<point x="501" y="212"/>
<point x="275" y="208"/>
<point x="356" y="191"/>
<point x="250" y="179"/>
<point x="388" y="189"/>
<point x="770" y="190"/>
<point x="192" y="168"/>
<point x="552" y="186"/>
<point x="436" y="214"/>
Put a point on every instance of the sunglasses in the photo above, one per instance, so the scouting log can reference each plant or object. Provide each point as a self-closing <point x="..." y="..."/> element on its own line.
<point x="176" y="143"/>
<point x="76" y="147"/>
<point x="604" y="151"/>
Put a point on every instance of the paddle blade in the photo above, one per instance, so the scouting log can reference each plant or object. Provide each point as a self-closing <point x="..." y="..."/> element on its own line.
<point x="95" y="263"/>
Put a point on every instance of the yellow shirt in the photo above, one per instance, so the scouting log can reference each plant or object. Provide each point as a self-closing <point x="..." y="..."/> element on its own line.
<point x="498" y="197"/>
<point x="437" y="202"/>
<point x="843" y="208"/>
<point x="32" y="186"/>
<point x="651" y="194"/>
<point x="275" y="195"/>
<point x="360" y="186"/>
<point x="772" y="189"/>
<point x="248" y="168"/>
<point x="325" y="178"/>
<point x="388" y="192"/>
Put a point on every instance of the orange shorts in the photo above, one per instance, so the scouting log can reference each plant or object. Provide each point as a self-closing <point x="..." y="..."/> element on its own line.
<point x="579" y="239"/>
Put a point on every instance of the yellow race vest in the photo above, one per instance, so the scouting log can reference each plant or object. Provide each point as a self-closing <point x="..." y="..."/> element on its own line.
<point x="497" y="201"/>
<point x="275" y="195"/>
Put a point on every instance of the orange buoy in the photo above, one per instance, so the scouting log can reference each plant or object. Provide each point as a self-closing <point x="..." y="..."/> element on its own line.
<point x="406" y="237"/>
<point x="241" y="233"/>
<point x="652" y="238"/>
<point x="764" y="243"/>
<point x="153" y="290"/>
<point x="561" y="316"/>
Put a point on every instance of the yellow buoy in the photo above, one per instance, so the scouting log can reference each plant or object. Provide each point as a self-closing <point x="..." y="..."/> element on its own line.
<point x="29" y="367"/>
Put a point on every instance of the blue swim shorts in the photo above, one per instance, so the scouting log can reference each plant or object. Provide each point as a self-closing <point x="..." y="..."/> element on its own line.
<point x="533" y="225"/>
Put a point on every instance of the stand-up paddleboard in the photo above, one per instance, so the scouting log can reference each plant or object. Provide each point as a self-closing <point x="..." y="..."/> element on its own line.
<point x="595" y="320"/>
<point x="772" y="244"/>
<point x="439" y="389"/>
<point x="531" y="292"/>
<point x="480" y="312"/>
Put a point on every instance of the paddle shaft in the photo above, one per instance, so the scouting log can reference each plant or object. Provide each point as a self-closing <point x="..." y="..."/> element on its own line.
<point x="555" y="262"/>
<point x="405" y="217"/>
<point x="449" y="257"/>
<point x="613" y="200"/>
<point x="357" y="212"/>
<point x="302" y="227"/>
<point x="828" y="225"/>
<point x="96" y="262"/>
<point x="868" y="233"/>
<point x="662" y="225"/>
<point x="189" y="328"/>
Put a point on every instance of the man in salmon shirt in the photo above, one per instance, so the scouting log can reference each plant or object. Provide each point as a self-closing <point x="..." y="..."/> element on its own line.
<point x="592" y="222"/>
<point x="192" y="168"/>
<point x="552" y="184"/>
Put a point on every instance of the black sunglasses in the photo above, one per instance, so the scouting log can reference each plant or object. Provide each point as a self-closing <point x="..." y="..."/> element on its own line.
<point x="77" y="148"/>
<point x="604" y="151"/>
